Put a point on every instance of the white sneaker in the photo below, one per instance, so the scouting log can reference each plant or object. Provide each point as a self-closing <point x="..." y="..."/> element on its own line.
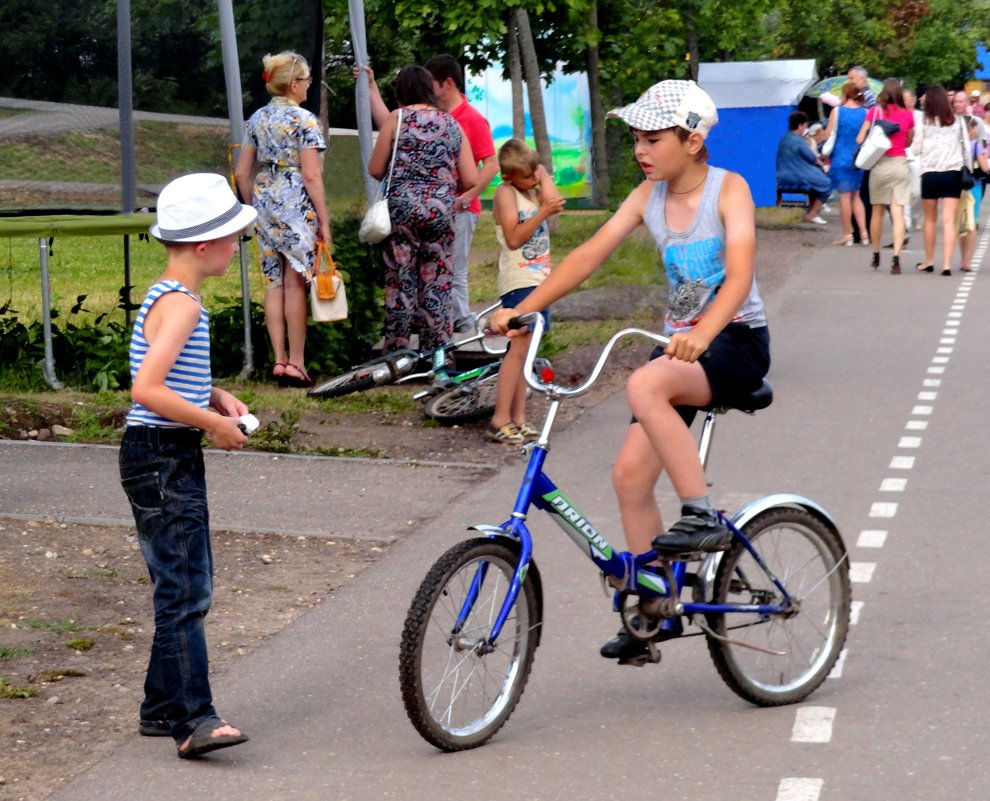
<point x="816" y="220"/>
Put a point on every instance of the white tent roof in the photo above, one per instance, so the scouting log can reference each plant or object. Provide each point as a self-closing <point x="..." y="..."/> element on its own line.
<point x="748" y="84"/>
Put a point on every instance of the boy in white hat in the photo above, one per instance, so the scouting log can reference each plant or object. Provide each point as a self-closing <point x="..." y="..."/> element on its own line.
<point x="703" y="222"/>
<point x="161" y="459"/>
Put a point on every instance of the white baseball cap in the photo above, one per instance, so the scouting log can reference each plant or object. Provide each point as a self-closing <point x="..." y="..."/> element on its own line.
<point x="975" y="93"/>
<point x="670" y="104"/>
<point x="200" y="207"/>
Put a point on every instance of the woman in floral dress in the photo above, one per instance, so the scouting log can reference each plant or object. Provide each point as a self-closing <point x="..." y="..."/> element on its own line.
<point x="282" y="153"/>
<point x="432" y="160"/>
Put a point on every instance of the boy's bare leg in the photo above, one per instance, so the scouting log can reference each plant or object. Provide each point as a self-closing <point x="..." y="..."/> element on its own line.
<point x="634" y="477"/>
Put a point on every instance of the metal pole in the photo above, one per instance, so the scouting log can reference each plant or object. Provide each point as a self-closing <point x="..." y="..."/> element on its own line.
<point x="125" y="101"/>
<point x="235" y="111"/>
<point x="359" y="44"/>
<point x="46" y="317"/>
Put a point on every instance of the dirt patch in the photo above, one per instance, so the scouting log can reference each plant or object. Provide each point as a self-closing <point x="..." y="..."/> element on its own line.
<point x="75" y="609"/>
<point x="75" y="604"/>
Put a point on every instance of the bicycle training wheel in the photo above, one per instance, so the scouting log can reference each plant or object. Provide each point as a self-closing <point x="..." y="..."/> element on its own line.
<point x="809" y="559"/>
<point x="383" y="370"/>
<point x="457" y="692"/>
<point x="465" y="403"/>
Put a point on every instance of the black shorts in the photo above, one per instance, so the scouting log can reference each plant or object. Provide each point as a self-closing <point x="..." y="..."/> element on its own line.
<point x="937" y="185"/>
<point x="735" y="364"/>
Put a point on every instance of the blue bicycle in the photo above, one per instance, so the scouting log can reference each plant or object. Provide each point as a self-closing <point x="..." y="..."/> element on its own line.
<point x="774" y="607"/>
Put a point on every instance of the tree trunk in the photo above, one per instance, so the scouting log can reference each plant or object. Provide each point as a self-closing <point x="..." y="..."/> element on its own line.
<point x="691" y="38"/>
<point x="599" y="151"/>
<point x="534" y="88"/>
<point x="516" y="80"/>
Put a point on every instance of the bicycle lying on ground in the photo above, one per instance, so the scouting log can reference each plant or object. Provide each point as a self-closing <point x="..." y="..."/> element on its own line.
<point x="452" y="396"/>
<point x="774" y="607"/>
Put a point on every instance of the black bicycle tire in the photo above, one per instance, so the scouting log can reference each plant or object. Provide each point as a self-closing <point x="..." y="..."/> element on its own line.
<point x="465" y="403"/>
<point x="356" y="379"/>
<point x="418" y="623"/>
<point x="731" y="660"/>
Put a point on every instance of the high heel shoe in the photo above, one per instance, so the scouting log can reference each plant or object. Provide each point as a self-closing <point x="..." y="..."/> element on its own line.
<point x="895" y="265"/>
<point x="875" y="261"/>
<point x="846" y="241"/>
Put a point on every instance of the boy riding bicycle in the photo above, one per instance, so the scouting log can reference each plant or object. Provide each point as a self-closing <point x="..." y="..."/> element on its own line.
<point x="702" y="219"/>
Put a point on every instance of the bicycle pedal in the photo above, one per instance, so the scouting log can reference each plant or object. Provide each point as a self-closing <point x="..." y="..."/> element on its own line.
<point x="652" y="656"/>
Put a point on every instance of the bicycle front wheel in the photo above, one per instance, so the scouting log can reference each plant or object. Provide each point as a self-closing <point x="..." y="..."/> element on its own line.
<point x="810" y="561"/>
<point x="465" y="403"/>
<point x="457" y="690"/>
<point x="383" y="370"/>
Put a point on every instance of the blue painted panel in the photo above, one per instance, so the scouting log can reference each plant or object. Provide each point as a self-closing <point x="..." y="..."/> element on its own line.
<point x="745" y="141"/>
<point x="983" y="68"/>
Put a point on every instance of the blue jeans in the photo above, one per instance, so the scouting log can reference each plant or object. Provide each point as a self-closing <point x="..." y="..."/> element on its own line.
<point x="162" y="473"/>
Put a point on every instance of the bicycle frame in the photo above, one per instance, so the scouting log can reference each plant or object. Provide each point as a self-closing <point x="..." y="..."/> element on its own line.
<point x="627" y="570"/>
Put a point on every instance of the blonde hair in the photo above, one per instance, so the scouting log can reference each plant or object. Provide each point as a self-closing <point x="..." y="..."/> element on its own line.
<point x="515" y="157"/>
<point x="282" y="69"/>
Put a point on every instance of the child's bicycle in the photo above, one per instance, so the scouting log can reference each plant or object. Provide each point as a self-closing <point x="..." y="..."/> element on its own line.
<point x="774" y="607"/>
<point x="452" y="397"/>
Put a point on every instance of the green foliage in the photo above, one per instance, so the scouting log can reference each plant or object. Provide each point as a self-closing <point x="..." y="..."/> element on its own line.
<point x="8" y="652"/>
<point x="57" y="627"/>
<point x="8" y="691"/>
<point x="80" y="644"/>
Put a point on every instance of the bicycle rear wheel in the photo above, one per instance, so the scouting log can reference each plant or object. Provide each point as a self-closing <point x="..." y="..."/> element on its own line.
<point x="383" y="370"/>
<point x="456" y="691"/>
<point x="465" y="403"/>
<point x="810" y="560"/>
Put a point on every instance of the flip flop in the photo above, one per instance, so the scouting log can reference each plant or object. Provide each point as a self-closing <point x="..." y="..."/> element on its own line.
<point x="202" y="740"/>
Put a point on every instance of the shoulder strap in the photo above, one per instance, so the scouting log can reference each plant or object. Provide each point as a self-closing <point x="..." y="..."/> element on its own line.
<point x="395" y="145"/>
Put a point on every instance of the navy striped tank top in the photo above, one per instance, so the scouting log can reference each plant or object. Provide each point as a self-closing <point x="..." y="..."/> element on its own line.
<point x="190" y="376"/>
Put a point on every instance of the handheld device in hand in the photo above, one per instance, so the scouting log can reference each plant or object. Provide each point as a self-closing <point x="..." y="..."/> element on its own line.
<point x="249" y="424"/>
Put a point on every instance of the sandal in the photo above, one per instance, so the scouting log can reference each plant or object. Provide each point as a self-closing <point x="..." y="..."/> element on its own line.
<point x="202" y="741"/>
<point x="508" y="434"/>
<point x="278" y="370"/>
<point x="846" y="240"/>
<point x="301" y="380"/>
<point x="528" y="431"/>
<point x="921" y="267"/>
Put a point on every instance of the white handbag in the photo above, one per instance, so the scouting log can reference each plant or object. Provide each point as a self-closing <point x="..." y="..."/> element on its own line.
<point x="874" y="146"/>
<point x="829" y="144"/>
<point x="376" y="224"/>
<point x="327" y="294"/>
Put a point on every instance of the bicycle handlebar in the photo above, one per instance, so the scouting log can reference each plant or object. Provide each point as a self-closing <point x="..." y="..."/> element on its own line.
<point x="536" y="320"/>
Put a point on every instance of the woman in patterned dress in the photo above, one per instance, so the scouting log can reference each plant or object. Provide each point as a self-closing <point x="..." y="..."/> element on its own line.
<point x="283" y="153"/>
<point x="432" y="160"/>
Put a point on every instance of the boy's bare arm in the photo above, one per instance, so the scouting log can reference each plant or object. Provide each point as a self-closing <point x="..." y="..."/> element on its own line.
<point x="506" y="211"/>
<point x="168" y="325"/>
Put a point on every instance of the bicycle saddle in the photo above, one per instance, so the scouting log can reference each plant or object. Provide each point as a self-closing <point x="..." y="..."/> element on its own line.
<point x="756" y="400"/>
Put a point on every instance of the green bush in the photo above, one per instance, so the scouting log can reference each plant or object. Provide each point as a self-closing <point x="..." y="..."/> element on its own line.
<point x="93" y="356"/>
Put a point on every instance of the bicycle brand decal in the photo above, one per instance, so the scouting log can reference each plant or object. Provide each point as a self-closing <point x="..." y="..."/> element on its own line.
<point x="577" y="521"/>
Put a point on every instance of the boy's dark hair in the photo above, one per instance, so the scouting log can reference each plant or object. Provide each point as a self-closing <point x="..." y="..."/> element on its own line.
<point x="516" y="157"/>
<point x="684" y="134"/>
<point x="443" y="67"/>
<point x="414" y="85"/>
<point x="796" y="120"/>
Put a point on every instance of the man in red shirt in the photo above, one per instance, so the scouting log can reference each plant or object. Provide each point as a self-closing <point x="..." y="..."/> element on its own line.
<point x="448" y="84"/>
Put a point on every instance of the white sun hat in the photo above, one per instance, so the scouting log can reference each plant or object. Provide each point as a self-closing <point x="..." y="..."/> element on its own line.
<point x="199" y="207"/>
<point x="667" y="104"/>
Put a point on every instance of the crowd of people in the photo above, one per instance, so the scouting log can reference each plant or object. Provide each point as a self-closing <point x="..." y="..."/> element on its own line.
<point x="936" y="163"/>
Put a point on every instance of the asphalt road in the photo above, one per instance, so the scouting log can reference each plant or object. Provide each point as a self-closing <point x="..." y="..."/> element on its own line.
<point x="880" y="384"/>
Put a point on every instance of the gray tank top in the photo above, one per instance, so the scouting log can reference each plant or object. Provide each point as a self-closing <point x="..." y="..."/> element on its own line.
<point x="694" y="259"/>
